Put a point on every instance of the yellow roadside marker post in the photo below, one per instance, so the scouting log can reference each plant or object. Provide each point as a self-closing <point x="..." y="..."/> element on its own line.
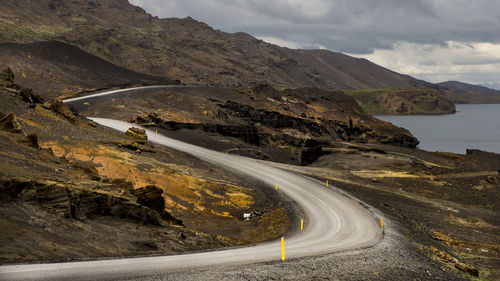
<point x="382" y="222"/>
<point x="326" y="183"/>
<point x="282" y="248"/>
<point x="156" y="131"/>
<point x="226" y="153"/>
<point x="301" y="224"/>
<point x="276" y="186"/>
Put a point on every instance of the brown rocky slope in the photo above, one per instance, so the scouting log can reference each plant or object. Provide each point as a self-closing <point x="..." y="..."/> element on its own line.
<point x="186" y="49"/>
<point x="288" y="126"/>
<point x="70" y="189"/>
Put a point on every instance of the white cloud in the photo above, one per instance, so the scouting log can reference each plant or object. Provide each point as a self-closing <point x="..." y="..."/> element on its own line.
<point x="472" y="62"/>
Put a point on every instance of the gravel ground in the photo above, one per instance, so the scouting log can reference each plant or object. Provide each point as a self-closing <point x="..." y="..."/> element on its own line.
<point x="393" y="258"/>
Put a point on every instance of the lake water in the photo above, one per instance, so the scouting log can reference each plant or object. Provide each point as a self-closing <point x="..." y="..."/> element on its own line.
<point x="473" y="126"/>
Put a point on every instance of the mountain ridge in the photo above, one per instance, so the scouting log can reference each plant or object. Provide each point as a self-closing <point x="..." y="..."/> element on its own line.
<point x="186" y="49"/>
<point x="460" y="92"/>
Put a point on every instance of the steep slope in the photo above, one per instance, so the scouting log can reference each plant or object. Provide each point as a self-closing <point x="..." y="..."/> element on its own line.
<point x="186" y="49"/>
<point x="460" y="92"/>
<point x="54" y="69"/>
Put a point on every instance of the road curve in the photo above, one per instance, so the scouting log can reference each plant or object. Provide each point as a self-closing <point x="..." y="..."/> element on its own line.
<point x="332" y="222"/>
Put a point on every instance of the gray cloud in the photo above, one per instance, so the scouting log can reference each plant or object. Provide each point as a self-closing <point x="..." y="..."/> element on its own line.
<point x="350" y="26"/>
<point x="357" y="26"/>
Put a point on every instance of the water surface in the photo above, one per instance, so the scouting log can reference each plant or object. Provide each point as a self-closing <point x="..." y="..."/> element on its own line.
<point x="473" y="126"/>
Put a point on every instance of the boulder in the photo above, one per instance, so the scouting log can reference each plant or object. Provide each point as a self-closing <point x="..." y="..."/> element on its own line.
<point x="27" y="95"/>
<point x="152" y="197"/>
<point x="10" y="123"/>
<point x="134" y="145"/>
<point x="63" y="110"/>
<point x="138" y="134"/>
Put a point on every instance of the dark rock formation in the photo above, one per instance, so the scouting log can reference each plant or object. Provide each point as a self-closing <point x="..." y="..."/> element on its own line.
<point x="7" y="83"/>
<point x="31" y="141"/>
<point x="138" y="134"/>
<point x="10" y="123"/>
<point x="74" y="202"/>
<point x="135" y="146"/>
<point x="152" y="197"/>
<point x="63" y="110"/>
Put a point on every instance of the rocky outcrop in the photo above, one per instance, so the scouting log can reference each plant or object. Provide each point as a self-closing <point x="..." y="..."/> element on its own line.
<point x="300" y="121"/>
<point x="135" y="146"/>
<point x="63" y="110"/>
<point x="9" y="123"/>
<point x="138" y="134"/>
<point x="152" y="197"/>
<point x="247" y="133"/>
<point x="7" y="83"/>
<point x="145" y="205"/>
<point x="415" y="102"/>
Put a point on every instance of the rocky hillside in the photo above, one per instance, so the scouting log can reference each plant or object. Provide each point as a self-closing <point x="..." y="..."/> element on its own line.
<point x="460" y="92"/>
<point x="186" y="49"/>
<point x="403" y="102"/>
<point x="58" y="70"/>
<point x="290" y="126"/>
<point x="70" y="189"/>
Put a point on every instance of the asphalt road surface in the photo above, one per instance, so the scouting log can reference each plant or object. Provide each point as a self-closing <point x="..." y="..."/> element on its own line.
<point x="332" y="223"/>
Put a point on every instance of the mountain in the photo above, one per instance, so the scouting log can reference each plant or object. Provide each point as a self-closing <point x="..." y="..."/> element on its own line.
<point x="460" y="92"/>
<point x="186" y="49"/>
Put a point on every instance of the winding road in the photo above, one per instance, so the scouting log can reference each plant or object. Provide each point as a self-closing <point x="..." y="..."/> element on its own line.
<point x="332" y="222"/>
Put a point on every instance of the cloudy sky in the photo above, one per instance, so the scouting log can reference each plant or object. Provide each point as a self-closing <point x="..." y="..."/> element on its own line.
<point x="434" y="40"/>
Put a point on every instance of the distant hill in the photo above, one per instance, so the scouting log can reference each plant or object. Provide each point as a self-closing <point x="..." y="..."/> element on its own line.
<point x="186" y="49"/>
<point x="54" y="69"/>
<point x="460" y="86"/>
<point x="460" y="92"/>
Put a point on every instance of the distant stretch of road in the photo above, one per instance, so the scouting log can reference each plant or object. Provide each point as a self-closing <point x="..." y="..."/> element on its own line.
<point x="332" y="222"/>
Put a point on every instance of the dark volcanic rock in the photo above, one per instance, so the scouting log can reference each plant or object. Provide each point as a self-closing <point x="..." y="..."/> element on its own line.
<point x="151" y="196"/>
<point x="7" y="83"/>
<point x="27" y="95"/>
<point x="77" y="203"/>
<point x="10" y="123"/>
<point x="64" y="110"/>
